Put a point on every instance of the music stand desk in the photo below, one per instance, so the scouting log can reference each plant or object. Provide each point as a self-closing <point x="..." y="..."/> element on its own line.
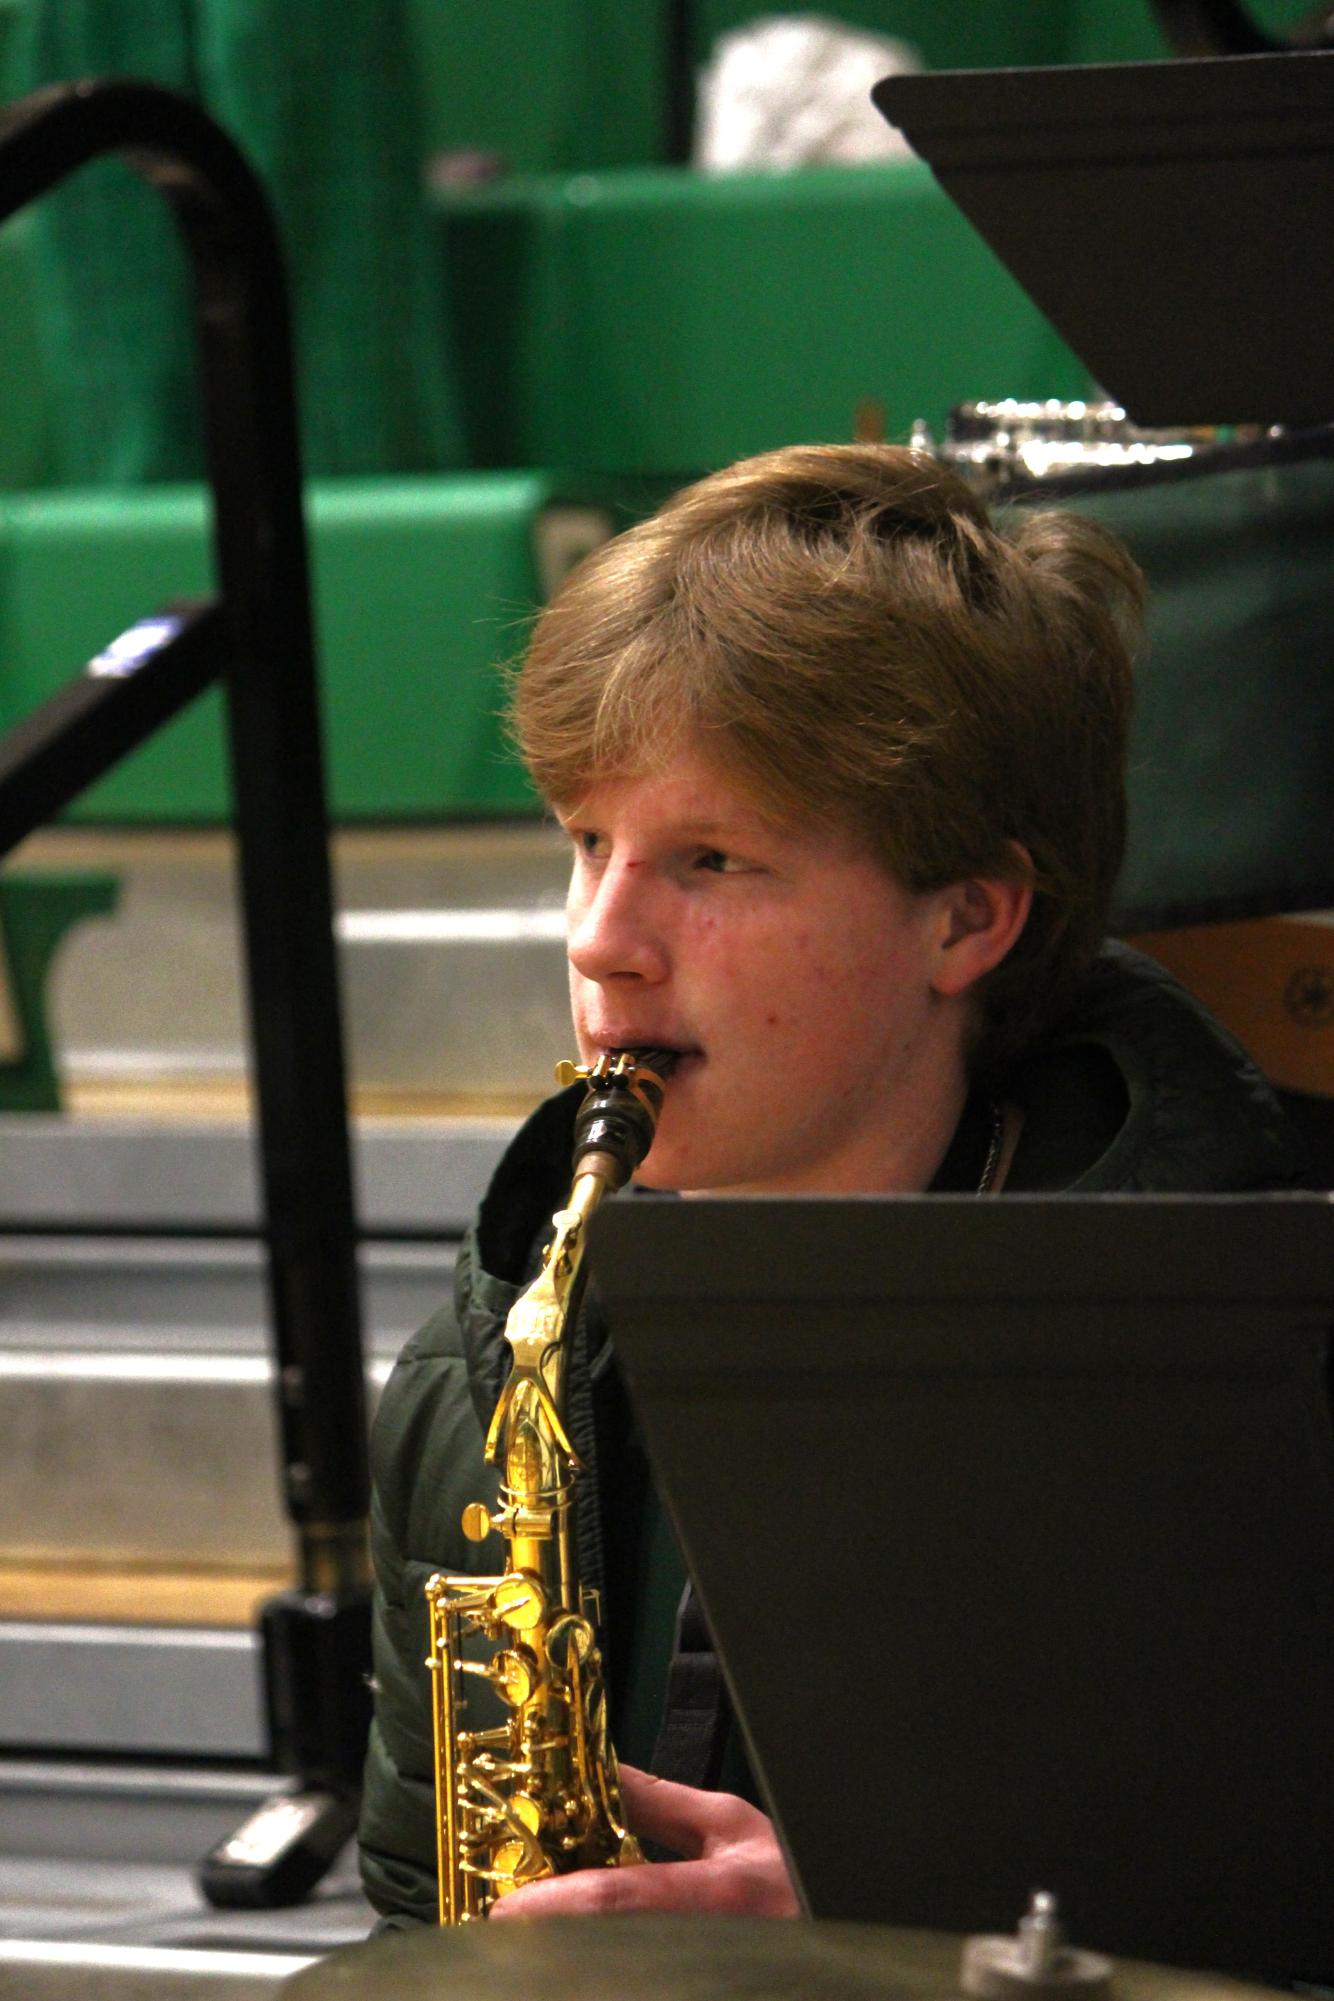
<point x="1173" y="220"/>
<point x="1014" y="1524"/>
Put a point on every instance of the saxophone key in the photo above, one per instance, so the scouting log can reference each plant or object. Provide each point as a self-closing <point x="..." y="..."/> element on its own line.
<point x="513" y="1673"/>
<point x="519" y="1601"/>
<point x="570" y="1640"/>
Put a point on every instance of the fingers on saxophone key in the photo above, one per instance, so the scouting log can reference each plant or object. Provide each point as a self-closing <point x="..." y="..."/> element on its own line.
<point x="682" y="1818"/>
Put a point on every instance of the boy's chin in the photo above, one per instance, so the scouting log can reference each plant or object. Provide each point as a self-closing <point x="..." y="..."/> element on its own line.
<point x="678" y="1175"/>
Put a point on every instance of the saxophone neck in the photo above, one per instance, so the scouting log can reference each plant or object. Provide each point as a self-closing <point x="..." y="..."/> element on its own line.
<point x="540" y="1316"/>
<point x="613" y="1130"/>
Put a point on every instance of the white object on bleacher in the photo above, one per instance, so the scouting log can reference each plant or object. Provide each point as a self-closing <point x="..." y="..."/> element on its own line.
<point x="794" y="91"/>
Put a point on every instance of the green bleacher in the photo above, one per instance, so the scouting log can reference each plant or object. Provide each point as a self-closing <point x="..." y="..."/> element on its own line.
<point x="615" y="325"/>
<point x="422" y="589"/>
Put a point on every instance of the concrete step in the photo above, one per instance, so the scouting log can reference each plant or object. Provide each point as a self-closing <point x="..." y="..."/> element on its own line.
<point x="136" y="1366"/>
<point x="143" y="1690"/>
<point x="39" y="1970"/>
<point x="140" y="1482"/>
<point x="97" y="1872"/>
<point x="139" y="1392"/>
<point x="138" y="1594"/>
<point x="420" y="1177"/>
<point x="104" y="1810"/>
<point x="451" y="958"/>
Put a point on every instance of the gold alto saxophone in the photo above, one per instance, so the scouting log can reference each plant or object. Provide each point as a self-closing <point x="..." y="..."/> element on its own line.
<point x="538" y="1794"/>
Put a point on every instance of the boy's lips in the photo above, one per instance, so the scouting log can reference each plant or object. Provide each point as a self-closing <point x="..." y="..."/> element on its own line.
<point x="684" y="1052"/>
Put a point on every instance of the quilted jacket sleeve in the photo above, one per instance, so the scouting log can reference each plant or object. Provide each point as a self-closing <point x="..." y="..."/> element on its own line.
<point x="426" y="1460"/>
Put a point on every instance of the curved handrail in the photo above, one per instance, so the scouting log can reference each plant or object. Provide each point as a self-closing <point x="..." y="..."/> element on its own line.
<point x="254" y="469"/>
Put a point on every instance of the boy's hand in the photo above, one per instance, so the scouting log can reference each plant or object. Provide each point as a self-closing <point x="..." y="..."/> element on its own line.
<point x="734" y="1865"/>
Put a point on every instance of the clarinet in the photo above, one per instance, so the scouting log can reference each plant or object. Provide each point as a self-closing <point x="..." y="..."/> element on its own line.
<point x="537" y="1794"/>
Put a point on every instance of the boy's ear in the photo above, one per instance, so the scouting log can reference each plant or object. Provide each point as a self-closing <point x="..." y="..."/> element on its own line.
<point x="981" y="919"/>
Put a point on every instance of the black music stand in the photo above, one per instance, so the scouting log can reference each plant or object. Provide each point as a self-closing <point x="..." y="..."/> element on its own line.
<point x="1014" y="1524"/>
<point x="1173" y="220"/>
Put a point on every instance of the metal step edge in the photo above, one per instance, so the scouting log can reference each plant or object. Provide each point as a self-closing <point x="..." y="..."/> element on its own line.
<point x="125" y="1367"/>
<point x="110" y="1779"/>
<point x="190" y="1294"/>
<point x="84" y="1819"/>
<point x="124" y="1460"/>
<point x="147" y="1690"/>
<point x="63" y="1968"/>
<point x="123" y="1173"/>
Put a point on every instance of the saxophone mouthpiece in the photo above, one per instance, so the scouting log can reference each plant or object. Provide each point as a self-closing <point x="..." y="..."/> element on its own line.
<point x="659" y="1063"/>
<point x="619" y="1115"/>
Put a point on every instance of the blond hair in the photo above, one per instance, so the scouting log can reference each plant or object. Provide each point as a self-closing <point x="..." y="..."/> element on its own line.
<point x="847" y="634"/>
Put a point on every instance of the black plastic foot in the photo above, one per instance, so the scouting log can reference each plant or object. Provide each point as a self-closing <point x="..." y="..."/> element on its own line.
<point x="280" y="1853"/>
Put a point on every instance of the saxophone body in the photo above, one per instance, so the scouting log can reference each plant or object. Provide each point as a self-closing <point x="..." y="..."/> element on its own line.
<point x="536" y="1794"/>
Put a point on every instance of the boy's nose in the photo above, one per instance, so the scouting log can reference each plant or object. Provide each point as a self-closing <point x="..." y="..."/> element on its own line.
<point x="611" y="933"/>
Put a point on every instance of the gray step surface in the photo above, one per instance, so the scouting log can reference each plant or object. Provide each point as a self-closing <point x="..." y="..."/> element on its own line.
<point x="183" y="1691"/>
<point x="39" y="1970"/>
<point x="77" y="1809"/>
<point x="138" y="1387"/>
<point x="136" y="1369"/>
<point x="137" y="1379"/>
<point x="412" y="1177"/>
<point x="97" y="1873"/>
<point x="188" y="1295"/>
<point x="434" y="926"/>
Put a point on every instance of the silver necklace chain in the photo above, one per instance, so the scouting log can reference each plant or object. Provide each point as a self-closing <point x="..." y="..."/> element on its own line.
<point x="992" y="1161"/>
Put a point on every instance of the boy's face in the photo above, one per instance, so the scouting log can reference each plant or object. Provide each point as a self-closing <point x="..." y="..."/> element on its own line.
<point x="791" y="972"/>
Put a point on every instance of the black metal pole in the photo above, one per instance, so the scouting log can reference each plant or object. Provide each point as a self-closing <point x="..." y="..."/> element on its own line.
<point x="317" y="1638"/>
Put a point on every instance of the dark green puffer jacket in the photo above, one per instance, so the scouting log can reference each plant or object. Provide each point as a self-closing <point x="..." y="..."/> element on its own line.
<point x="1140" y="1091"/>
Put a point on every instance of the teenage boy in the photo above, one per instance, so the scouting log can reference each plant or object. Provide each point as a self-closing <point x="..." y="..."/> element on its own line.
<point x="842" y="768"/>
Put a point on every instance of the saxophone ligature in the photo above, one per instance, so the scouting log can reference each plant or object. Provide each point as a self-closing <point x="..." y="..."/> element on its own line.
<point x="537" y="1794"/>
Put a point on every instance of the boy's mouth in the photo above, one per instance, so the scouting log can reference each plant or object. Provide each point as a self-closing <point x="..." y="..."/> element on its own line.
<point x="684" y="1053"/>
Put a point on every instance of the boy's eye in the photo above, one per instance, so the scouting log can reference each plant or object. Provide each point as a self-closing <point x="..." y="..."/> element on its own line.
<point x="588" y="842"/>
<point x="716" y="862"/>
